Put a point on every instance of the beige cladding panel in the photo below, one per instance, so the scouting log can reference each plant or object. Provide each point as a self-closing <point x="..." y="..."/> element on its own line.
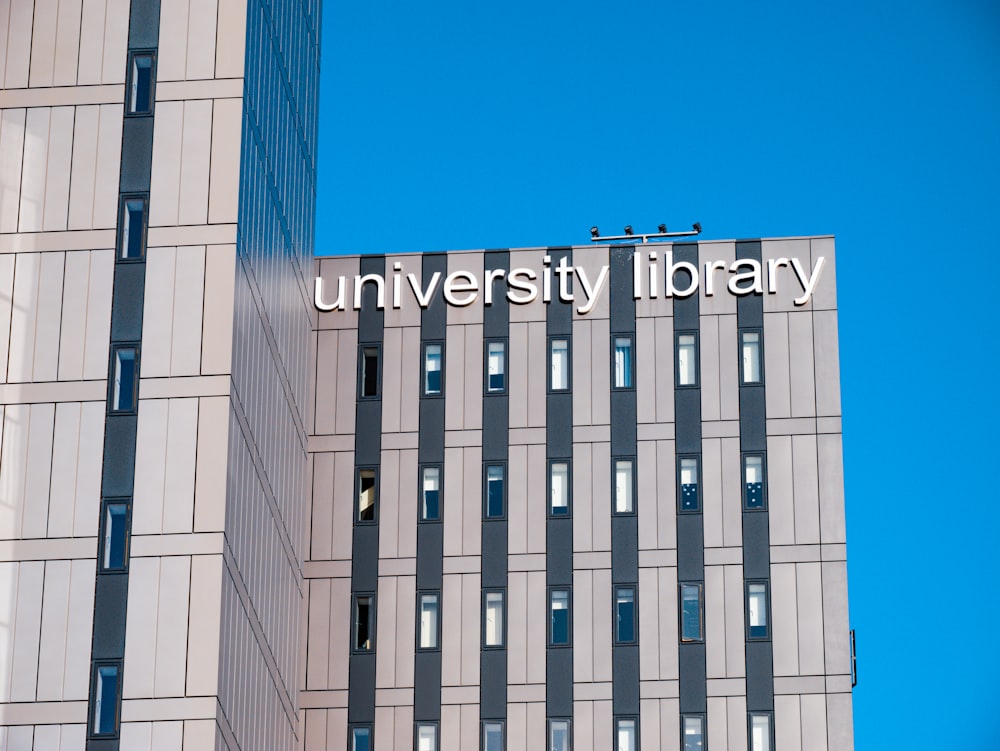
<point x="398" y="504"/>
<point x="534" y="311"/>
<point x="526" y="726"/>
<point x="395" y="637"/>
<point x="659" y="723"/>
<point x="393" y="728"/>
<point x="166" y="445"/>
<point x="331" y="269"/>
<point x="593" y="725"/>
<point x="831" y="488"/>
<point x="836" y="618"/>
<point x="827" y="363"/>
<point x="788" y="285"/>
<point x="336" y="365"/>
<point x="591" y="497"/>
<point x="473" y="264"/>
<point x="77" y="449"/>
<point x="656" y="499"/>
<point x="331" y="521"/>
<point x="462" y="500"/>
<point x="720" y="302"/>
<point x="328" y="639"/>
<point x="12" y="124"/>
<point x="658" y="624"/>
<point x="460" y="633"/>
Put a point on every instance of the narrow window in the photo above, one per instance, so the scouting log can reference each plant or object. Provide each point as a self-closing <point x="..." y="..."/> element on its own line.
<point x="559" y="735"/>
<point x="693" y="728"/>
<point x="757" y="610"/>
<point x="427" y="737"/>
<point x="760" y="732"/>
<point x="366" y="495"/>
<point x="750" y="360"/>
<point x="493" y="620"/>
<point x="494" y="491"/>
<point x="115" y="537"/>
<point x="369" y="371"/>
<point x="624" y="615"/>
<point x="623" y="362"/>
<point x="492" y="736"/>
<point x="687" y="360"/>
<point x="432" y="369"/>
<point x="559" y="364"/>
<point x="361" y="738"/>
<point x="105" y="720"/>
<point x="496" y="368"/>
<point x="691" y="612"/>
<point x="625" y="736"/>
<point x="140" y="90"/>
<point x="126" y="372"/>
<point x="133" y="228"/>
<point x="430" y="502"/>
<point x="364" y="622"/>
<point x="624" y="486"/>
<point x="753" y="482"/>
<point x="429" y="620"/>
<point x="690" y="499"/>
<point x="559" y="617"/>
<point x="559" y="488"/>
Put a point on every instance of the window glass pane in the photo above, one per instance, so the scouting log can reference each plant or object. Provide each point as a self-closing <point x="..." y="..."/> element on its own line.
<point x="123" y="396"/>
<point x="426" y="738"/>
<point x="689" y="484"/>
<point x="623" y="363"/>
<point x="495" y="367"/>
<point x="559" y="617"/>
<point x="492" y="736"/>
<point x="760" y="732"/>
<point x="560" y="488"/>
<point x="431" y="502"/>
<point x="560" y="364"/>
<point x="432" y="369"/>
<point x="428" y="621"/>
<point x="691" y="612"/>
<point x="369" y="372"/>
<point x="494" y="491"/>
<point x="625" y="614"/>
<point x="559" y="735"/>
<point x="751" y="357"/>
<point x="141" y="95"/>
<point x="694" y="734"/>
<point x="106" y="700"/>
<point x="757" y="606"/>
<point x="494" y="619"/>
<point x="363" y="622"/>
<point x="626" y="735"/>
<point x="687" y="367"/>
<point x="133" y="226"/>
<point x="366" y="495"/>
<point x="754" y="480"/>
<point x="623" y="487"/>
<point x="115" y="535"/>
<point x="361" y="739"/>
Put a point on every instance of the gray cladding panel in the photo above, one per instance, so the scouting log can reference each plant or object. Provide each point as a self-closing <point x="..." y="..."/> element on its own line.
<point x="364" y="567"/>
<point x="144" y="24"/>
<point x="496" y="318"/>
<point x="624" y="549"/>
<point x="623" y="423"/>
<point x="493" y="691"/>
<point x="559" y="411"/>
<point x="622" y="302"/>
<point x="368" y="442"/>
<point x="434" y="319"/>
<point x="760" y="680"/>
<point x="559" y="682"/>
<point x="110" y="596"/>
<point x="127" y="302"/>
<point x="427" y="700"/>
<point x="371" y="320"/>
<point x="137" y="154"/>
<point x="361" y="688"/>
<point x="119" y="452"/>
<point x="494" y="552"/>
<point x="430" y="546"/>
<point x="690" y="547"/>
<point x="559" y="550"/>
<point x="496" y="416"/>
<point x="753" y="426"/>
<point x="691" y="659"/>
<point x="688" y="409"/>
<point x="626" y="679"/>
<point x="750" y="308"/>
<point x="686" y="309"/>
<point x="756" y="541"/>
<point x="430" y="449"/>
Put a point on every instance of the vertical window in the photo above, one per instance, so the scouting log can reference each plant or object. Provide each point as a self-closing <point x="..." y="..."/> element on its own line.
<point x="692" y="609"/>
<point x="693" y="731"/>
<point x="364" y="623"/>
<point x="687" y="360"/>
<point x="115" y="536"/>
<point x="493" y="619"/>
<point x="369" y="371"/>
<point x="624" y="615"/>
<point x="429" y="620"/>
<point x="430" y="494"/>
<point x="494" y="491"/>
<point x="688" y="483"/>
<point x="753" y="482"/>
<point x="757" y="610"/>
<point x="432" y="369"/>
<point x="559" y="736"/>
<point x="133" y="228"/>
<point x="750" y="357"/>
<point x="367" y="492"/>
<point x="625" y="735"/>
<point x="140" y="84"/>
<point x="559" y="488"/>
<point x="559" y="617"/>
<point x="496" y="367"/>
<point x="126" y="377"/>
<point x="624" y="486"/>
<point x="760" y="732"/>
<point x="623" y="362"/>
<point x="361" y="738"/>
<point x="492" y="736"/>
<point x="427" y="737"/>
<point x="106" y="689"/>
<point x="559" y="364"/>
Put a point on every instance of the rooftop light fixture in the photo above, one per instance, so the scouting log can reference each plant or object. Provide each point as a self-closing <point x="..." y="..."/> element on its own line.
<point x="630" y="236"/>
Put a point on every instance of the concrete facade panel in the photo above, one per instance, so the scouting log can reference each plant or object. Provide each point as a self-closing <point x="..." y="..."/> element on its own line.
<point x="840" y="722"/>
<point x="814" y="725"/>
<point x="735" y="622"/>
<point x="827" y="363"/>
<point x="98" y="314"/>
<point x="806" y="484"/>
<point x="43" y="42"/>
<point x="831" y="488"/>
<point x="809" y="600"/>
<point x="825" y="295"/>
<point x="780" y="493"/>
<point x="777" y="365"/>
<point x="788" y="723"/>
<point x="12" y="136"/>
<point x="800" y="349"/>
<point x="836" y="618"/>
<point x="58" y="168"/>
<point x="784" y="616"/>
<point x="18" y="43"/>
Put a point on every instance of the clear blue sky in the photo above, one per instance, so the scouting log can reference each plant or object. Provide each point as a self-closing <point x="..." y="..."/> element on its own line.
<point x="452" y="124"/>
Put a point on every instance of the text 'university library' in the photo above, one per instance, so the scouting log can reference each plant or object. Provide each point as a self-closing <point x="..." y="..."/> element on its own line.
<point x="577" y="498"/>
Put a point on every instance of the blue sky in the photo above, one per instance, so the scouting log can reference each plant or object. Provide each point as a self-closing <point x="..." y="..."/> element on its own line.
<point x="451" y="125"/>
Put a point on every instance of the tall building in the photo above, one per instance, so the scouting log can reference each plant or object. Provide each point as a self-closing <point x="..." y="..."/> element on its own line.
<point x="157" y="192"/>
<point x="578" y="498"/>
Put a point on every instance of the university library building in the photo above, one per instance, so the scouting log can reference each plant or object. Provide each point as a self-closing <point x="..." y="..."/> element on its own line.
<point x="578" y="498"/>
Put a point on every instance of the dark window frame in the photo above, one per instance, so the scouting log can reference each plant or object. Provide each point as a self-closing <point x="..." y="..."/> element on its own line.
<point x="436" y="724"/>
<point x="95" y="668"/>
<point x="482" y="731"/>
<point x="770" y="725"/>
<point x="614" y="485"/>
<point x="377" y="346"/>
<point x="358" y="521"/>
<point x="632" y="361"/>
<point x="760" y="353"/>
<point x="619" y="718"/>
<point x="743" y="479"/>
<point x="569" y="489"/>
<point x="634" y="587"/>
<point x="123" y="201"/>
<point x="424" y="393"/>
<point x="569" y="617"/>
<point x="503" y="626"/>
<point x="704" y="728"/>
<point x="372" y="623"/>
<point x="421" y="593"/>
<point x="486" y="468"/>
<point x="569" y="364"/>
<point x="487" y="391"/>
<point x="767" y="609"/>
<point x="701" y="612"/>
<point x="129" y="80"/>
<point x="102" y="540"/>
<point x="351" y="727"/>
<point x="680" y="495"/>
<point x="569" y="732"/>
<point x="420" y="493"/>
<point x="677" y="360"/>
<point x="116" y="347"/>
